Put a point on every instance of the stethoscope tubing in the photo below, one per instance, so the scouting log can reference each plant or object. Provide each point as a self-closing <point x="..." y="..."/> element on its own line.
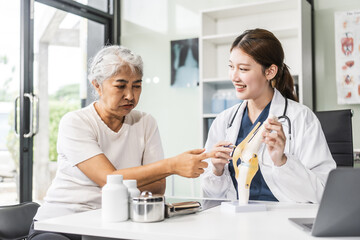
<point x="280" y="117"/>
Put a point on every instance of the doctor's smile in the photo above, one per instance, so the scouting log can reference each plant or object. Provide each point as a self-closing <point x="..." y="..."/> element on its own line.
<point x="240" y="88"/>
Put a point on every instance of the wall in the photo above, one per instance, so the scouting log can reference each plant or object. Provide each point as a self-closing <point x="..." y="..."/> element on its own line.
<point x="326" y="95"/>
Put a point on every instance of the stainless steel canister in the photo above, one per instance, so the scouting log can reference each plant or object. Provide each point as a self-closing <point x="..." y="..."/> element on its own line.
<point x="147" y="208"/>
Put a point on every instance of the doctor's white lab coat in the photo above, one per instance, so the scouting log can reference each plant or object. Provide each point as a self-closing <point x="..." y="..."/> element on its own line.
<point x="301" y="179"/>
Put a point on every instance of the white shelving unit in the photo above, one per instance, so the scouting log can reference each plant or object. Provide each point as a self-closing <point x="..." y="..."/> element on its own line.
<point x="289" y="20"/>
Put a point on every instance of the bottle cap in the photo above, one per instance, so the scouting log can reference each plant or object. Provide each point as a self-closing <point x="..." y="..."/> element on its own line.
<point x="114" y="178"/>
<point x="130" y="183"/>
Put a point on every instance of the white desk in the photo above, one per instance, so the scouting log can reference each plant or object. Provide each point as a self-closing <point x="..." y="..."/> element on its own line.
<point x="210" y="224"/>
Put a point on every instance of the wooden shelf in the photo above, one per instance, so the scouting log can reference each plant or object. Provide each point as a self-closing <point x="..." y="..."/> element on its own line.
<point x="210" y="115"/>
<point x="216" y="80"/>
<point x="220" y="39"/>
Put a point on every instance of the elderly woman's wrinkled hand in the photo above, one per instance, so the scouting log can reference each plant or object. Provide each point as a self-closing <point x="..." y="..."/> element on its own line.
<point x="190" y="164"/>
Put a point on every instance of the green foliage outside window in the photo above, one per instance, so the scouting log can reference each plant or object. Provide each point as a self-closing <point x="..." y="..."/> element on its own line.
<point x="57" y="110"/>
<point x="12" y="141"/>
<point x="64" y="100"/>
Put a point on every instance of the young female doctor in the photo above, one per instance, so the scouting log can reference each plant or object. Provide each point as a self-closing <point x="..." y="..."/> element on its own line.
<point x="294" y="159"/>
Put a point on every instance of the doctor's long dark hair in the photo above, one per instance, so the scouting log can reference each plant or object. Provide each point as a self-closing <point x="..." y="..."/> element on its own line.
<point x="266" y="50"/>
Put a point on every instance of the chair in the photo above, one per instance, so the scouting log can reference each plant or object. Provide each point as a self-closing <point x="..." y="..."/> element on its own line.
<point x="15" y="220"/>
<point x="337" y="127"/>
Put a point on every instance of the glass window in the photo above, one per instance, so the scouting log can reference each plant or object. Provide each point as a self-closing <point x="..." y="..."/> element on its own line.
<point x="9" y="82"/>
<point x="63" y="43"/>
<point x="101" y="5"/>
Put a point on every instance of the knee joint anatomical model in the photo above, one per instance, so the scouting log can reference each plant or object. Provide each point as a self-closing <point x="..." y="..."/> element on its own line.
<point x="247" y="151"/>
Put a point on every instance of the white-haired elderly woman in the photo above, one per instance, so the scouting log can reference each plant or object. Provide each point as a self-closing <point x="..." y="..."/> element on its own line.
<point x="109" y="137"/>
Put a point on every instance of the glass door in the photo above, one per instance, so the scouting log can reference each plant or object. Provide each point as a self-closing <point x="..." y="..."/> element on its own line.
<point x="62" y="48"/>
<point x="58" y="40"/>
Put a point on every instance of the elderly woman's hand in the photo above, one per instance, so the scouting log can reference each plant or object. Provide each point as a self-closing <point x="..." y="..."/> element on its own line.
<point x="190" y="164"/>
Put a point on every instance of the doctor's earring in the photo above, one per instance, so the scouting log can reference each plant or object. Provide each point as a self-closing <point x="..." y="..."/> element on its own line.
<point x="272" y="82"/>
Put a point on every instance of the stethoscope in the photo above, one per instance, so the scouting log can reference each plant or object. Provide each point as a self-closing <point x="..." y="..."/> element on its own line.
<point x="283" y="116"/>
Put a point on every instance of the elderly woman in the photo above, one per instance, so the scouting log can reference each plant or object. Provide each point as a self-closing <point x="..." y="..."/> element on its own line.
<point x="109" y="137"/>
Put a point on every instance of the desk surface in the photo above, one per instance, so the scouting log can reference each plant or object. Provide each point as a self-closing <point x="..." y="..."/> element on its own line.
<point x="214" y="223"/>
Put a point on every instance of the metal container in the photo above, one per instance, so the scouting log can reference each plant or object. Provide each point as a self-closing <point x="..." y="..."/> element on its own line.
<point x="147" y="208"/>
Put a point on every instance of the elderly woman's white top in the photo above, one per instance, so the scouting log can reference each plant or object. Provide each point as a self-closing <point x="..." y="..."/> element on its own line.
<point x="82" y="135"/>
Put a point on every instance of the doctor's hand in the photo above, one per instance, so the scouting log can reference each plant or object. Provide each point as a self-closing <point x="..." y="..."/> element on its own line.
<point x="190" y="164"/>
<point x="222" y="155"/>
<point x="274" y="138"/>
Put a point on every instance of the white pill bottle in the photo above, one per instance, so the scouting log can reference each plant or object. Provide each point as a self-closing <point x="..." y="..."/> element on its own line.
<point x="115" y="200"/>
<point x="131" y="185"/>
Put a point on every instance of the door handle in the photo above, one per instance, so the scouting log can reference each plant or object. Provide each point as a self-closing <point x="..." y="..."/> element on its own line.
<point x="33" y="100"/>
<point x="30" y="133"/>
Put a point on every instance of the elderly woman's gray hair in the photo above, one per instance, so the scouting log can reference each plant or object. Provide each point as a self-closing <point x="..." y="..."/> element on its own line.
<point x="110" y="60"/>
